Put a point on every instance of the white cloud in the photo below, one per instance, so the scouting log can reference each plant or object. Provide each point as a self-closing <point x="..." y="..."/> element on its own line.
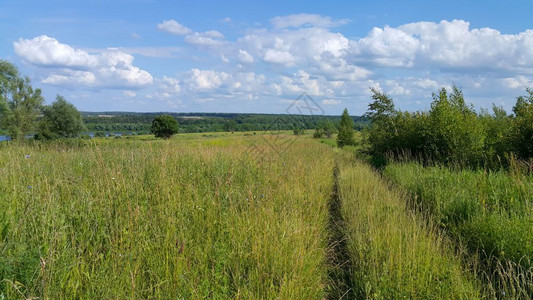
<point x="518" y="82"/>
<point x="48" y="52"/>
<point x="279" y="57"/>
<point x="213" y="34"/>
<point x="331" y="102"/>
<point x="173" y="27"/>
<point x="206" y="79"/>
<point x="245" y="57"/>
<point x="425" y="83"/>
<point x="71" y="67"/>
<point x="448" y="45"/>
<point x="208" y="38"/>
<point x="226" y="20"/>
<point x="299" y="20"/>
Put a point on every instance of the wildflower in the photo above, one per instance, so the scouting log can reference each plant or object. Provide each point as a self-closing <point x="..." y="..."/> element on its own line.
<point x="27" y="156"/>
<point x="29" y="187"/>
<point x="112" y="178"/>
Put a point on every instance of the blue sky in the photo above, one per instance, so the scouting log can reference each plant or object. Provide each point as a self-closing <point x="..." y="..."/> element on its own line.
<point x="244" y="56"/>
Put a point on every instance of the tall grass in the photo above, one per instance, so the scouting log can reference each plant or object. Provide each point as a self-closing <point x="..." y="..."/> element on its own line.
<point x="185" y="218"/>
<point x="490" y="213"/>
<point x="394" y="253"/>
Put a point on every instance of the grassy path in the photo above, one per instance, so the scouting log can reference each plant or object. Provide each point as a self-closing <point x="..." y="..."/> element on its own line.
<point x="206" y="217"/>
<point x="394" y="253"/>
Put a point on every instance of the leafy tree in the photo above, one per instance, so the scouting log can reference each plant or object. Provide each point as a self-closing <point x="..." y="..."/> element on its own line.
<point x="60" y="120"/>
<point x="383" y="131"/>
<point x="346" y="130"/>
<point x="164" y="126"/>
<point x="520" y="139"/>
<point x="382" y="108"/>
<point x="20" y="104"/>
<point x="455" y="133"/>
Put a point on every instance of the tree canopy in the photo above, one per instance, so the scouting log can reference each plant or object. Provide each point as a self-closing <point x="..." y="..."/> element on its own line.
<point x="164" y="126"/>
<point x="60" y="120"/>
<point x="20" y="104"/>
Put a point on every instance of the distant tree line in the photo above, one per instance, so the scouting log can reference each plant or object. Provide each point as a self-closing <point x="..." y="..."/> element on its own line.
<point x="451" y="132"/>
<point x="209" y="122"/>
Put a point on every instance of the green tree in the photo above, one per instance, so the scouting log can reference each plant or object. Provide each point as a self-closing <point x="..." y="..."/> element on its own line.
<point x="20" y="104"/>
<point x="164" y="126"/>
<point x="382" y="108"/>
<point x="383" y="132"/>
<point x="346" y="130"/>
<point x="520" y="139"/>
<point x="455" y="133"/>
<point x="60" y="120"/>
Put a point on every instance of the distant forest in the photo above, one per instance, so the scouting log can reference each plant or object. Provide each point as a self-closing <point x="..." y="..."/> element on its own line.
<point x="208" y="122"/>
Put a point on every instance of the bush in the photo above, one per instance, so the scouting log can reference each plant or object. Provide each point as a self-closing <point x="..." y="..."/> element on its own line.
<point x="164" y="126"/>
<point x="60" y="120"/>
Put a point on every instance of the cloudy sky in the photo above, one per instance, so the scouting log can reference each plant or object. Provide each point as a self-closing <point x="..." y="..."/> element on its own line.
<point x="246" y="56"/>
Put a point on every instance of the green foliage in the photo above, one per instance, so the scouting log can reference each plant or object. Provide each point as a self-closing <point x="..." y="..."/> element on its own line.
<point x="164" y="126"/>
<point x="324" y="128"/>
<point x="488" y="212"/>
<point x="451" y="132"/>
<point x="395" y="254"/>
<point x="521" y="133"/>
<point x="60" y="120"/>
<point x="298" y="131"/>
<point x="20" y="104"/>
<point x="346" y="130"/>
<point x="209" y="122"/>
<point x="455" y="134"/>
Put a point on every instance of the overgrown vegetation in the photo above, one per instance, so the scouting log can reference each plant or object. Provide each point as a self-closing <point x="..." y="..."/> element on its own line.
<point x="180" y="218"/>
<point x="490" y="213"/>
<point x="395" y="254"/>
<point x="451" y="132"/>
<point x="472" y="173"/>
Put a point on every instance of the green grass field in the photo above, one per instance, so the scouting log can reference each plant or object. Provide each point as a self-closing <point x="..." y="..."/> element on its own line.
<point x="220" y="215"/>
<point x="490" y="213"/>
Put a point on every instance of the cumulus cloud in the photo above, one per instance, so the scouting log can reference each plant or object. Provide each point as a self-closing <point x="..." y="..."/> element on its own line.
<point x="209" y="38"/>
<point x="68" y="66"/>
<point x="448" y="45"/>
<point x="300" y="20"/>
<point x="245" y="57"/>
<point x="206" y="79"/>
<point x="173" y="27"/>
<point x="48" y="52"/>
<point x="279" y="57"/>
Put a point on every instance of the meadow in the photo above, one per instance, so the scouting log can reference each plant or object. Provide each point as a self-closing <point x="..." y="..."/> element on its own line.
<point x="221" y="216"/>
<point x="488" y="212"/>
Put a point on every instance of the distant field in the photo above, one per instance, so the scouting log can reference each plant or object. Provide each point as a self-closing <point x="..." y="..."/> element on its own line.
<point x="215" y="215"/>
